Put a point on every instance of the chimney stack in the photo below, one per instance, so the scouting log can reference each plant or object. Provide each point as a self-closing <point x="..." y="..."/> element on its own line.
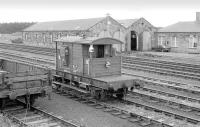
<point x="198" y="17"/>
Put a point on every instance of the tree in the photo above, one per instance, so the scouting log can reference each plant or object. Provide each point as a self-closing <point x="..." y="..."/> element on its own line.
<point x="9" y="28"/>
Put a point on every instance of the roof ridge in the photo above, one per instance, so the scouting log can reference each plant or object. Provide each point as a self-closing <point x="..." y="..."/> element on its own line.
<point x="82" y="24"/>
<point x="182" y="26"/>
<point x="71" y="20"/>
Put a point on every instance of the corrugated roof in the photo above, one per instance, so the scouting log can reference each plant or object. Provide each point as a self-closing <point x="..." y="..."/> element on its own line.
<point x="182" y="27"/>
<point x="127" y="22"/>
<point x="78" y="24"/>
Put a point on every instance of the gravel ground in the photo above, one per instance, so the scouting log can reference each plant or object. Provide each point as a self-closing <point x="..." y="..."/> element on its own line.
<point x="5" y="122"/>
<point x="80" y="113"/>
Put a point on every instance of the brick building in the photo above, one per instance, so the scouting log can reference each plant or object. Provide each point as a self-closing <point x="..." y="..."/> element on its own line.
<point x="136" y="34"/>
<point x="181" y="36"/>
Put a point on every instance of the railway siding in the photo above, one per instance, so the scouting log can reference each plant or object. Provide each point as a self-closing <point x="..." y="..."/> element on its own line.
<point x="149" y="110"/>
<point x="189" y="71"/>
<point x="169" y="100"/>
<point x="137" y="111"/>
<point x="162" y="81"/>
<point x="174" y="92"/>
<point x="166" y="110"/>
<point x="30" y="49"/>
<point x="34" y="117"/>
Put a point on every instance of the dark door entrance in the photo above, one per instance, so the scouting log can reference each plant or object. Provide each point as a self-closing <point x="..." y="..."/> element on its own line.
<point x="133" y="41"/>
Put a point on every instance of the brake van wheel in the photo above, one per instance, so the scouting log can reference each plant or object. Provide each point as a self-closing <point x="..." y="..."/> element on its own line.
<point x="103" y="94"/>
<point x="120" y="96"/>
<point x="2" y="103"/>
<point x="92" y="92"/>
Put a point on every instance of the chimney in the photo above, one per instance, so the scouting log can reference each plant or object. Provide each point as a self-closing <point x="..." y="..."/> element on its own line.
<point x="198" y="17"/>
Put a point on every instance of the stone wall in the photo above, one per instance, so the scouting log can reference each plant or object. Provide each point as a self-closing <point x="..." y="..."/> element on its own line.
<point x="105" y="28"/>
<point x="183" y="41"/>
<point x="46" y="39"/>
<point x="108" y="27"/>
<point x="139" y="27"/>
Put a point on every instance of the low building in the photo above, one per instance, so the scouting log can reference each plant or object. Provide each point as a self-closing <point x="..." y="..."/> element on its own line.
<point x="136" y="34"/>
<point x="181" y="36"/>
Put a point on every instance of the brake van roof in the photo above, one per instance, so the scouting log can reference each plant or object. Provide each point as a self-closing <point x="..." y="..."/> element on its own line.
<point x="89" y="40"/>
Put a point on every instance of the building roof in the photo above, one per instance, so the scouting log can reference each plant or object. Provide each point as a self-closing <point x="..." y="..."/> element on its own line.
<point x="67" y="25"/>
<point x="191" y="26"/>
<point x="127" y="22"/>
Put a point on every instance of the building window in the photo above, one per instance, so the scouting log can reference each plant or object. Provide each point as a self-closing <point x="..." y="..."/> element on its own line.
<point x="174" y="42"/>
<point x="199" y="40"/>
<point x="26" y="36"/>
<point x="44" y="37"/>
<point x="36" y="36"/>
<point x="51" y="37"/>
<point x="192" y="41"/>
<point x="100" y="51"/>
<point x="59" y="35"/>
<point x="161" y="40"/>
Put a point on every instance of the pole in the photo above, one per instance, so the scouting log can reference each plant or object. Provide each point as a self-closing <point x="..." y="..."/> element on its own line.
<point x="56" y="56"/>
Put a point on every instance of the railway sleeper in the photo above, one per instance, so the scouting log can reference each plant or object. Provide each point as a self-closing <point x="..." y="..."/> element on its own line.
<point x="170" y="94"/>
<point x="144" y="122"/>
<point x="180" y="117"/>
<point x="193" y="121"/>
<point x="134" y="118"/>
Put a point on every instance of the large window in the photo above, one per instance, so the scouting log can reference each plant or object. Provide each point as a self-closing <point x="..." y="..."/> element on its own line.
<point x="161" y="40"/>
<point x="173" y="42"/>
<point x="192" y="41"/>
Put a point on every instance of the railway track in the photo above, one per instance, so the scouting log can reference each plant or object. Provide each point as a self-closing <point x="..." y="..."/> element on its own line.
<point x="166" y="115"/>
<point x="186" y="92"/>
<point x="34" y="117"/>
<point x="170" y="98"/>
<point x="161" y="61"/>
<point x="30" y="49"/>
<point x="33" y="61"/>
<point x="178" y="86"/>
<point x="133" y="111"/>
<point x="137" y="63"/>
<point x="162" y="67"/>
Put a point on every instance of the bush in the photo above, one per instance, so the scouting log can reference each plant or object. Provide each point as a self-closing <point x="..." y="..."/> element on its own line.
<point x="162" y="48"/>
<point x="18" y="41"/>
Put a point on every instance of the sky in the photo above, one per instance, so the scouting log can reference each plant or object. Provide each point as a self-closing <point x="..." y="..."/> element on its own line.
<point x="160" y="13"/>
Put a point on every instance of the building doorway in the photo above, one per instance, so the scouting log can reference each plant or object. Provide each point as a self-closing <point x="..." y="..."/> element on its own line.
<point x="133" y="41"/>
<point x="146" y="41"/>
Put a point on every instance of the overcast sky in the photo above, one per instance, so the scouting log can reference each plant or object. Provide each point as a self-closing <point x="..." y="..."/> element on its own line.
<point x="158" y="12"/>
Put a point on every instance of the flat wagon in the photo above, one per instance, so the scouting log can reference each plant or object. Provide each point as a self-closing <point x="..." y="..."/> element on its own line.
<point x="28" y="85"/>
